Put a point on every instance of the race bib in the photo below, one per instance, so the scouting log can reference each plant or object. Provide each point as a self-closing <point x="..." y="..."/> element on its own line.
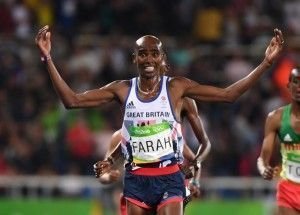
<point x="293" y="167"/>
<point x="150" y="143"/>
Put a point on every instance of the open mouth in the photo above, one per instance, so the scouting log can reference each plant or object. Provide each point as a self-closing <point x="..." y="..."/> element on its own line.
<point x="149" y="68"/>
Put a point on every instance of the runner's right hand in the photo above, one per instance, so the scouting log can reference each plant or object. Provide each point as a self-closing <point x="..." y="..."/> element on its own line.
<point x="270" y="173"/>
<point x="102" y="167"/>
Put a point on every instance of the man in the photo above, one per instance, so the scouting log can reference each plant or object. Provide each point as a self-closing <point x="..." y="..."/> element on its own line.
<point x="284" y="122"/>
<point x="151" y="129"/>
<point x="107" y="174"/>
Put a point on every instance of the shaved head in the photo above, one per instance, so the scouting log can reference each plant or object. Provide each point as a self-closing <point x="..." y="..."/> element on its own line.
<point x="149" y="56"/>
<point x="148" y="40"/>
<point x="295" y="73"/>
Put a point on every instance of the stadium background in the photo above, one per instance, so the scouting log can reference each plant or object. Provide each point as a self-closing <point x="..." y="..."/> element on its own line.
<point x="47" y="152"/>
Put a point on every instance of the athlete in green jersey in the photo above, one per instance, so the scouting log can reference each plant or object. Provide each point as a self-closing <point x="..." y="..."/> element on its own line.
<point x="284" y="122"/>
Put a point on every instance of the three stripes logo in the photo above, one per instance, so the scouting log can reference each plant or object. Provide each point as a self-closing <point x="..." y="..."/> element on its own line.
<point x="130" y="105"/>
<point x="287" y="138"/>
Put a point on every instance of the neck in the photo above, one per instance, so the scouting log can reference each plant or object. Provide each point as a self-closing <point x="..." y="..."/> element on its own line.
<point x="296" y="108"/>
<point x="153" y="86"/>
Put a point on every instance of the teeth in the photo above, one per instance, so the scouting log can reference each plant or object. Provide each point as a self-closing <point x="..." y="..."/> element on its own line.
<point x="149" y="68"/>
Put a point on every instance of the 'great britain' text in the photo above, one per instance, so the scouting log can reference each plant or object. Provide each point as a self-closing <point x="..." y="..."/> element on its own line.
<point x="147" y="114"/>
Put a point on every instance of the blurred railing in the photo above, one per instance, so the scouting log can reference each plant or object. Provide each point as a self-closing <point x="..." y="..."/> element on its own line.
<point x="78" y="186"/>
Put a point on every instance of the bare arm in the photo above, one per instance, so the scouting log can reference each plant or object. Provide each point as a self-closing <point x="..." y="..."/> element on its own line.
<point x="194" y="183"/>
<point x="269" y="144"/>
<point x="69" y="98"/>
<point x="192" y="89"/>
<point x="114" y="151"/>
<point x="190" y="111"/>
<point x="103" y="169"/>
<point x="188" y="154"/>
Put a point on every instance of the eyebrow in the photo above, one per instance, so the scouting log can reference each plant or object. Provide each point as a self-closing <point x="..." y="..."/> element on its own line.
<point x="152" y="50"/>
<point x="145" y="50"/>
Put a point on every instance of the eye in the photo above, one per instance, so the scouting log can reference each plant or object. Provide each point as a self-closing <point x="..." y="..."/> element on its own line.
<point x="295" y="81"/>
<point x="142" y="54"/>
<point x="155" y="54"/>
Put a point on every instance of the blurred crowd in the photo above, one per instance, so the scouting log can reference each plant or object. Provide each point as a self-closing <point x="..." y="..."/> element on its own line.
<point x="211" y="41"/>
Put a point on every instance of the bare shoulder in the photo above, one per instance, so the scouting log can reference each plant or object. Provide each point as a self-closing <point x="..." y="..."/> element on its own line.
<point x="179" y="84"/>
<point x="276" y="113"/>
<point x="189" y="106"/>
<point x="179" y="80"/>
<point x="118" y="88"/>
<point x="189" y="102"/>
<point x="117" y="134"/>
<point x="116" y="138"/>
<point x="274" y="117"/>
<point x="117" y="84"/>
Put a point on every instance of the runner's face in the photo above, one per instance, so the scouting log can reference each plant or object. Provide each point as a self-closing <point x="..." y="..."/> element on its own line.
<point x="148" y="57"/>
<point x="294" y="86"/>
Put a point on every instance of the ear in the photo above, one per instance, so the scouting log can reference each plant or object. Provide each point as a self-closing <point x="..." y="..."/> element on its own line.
<point x="133" y="55"/>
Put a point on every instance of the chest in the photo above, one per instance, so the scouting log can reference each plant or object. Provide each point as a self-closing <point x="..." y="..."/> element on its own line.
<point x="295" y="124"/>
<point x="155" y="109"/>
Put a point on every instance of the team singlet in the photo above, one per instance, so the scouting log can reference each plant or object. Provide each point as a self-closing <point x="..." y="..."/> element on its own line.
<point x="150" y="132"/>
<point x="290" y="147"/>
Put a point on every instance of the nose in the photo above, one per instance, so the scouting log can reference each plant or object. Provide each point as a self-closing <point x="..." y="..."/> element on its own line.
<point x="149" y="58"/>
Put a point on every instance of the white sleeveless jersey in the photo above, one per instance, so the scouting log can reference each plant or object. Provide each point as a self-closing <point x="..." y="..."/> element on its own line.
<point x="150" y="132"/>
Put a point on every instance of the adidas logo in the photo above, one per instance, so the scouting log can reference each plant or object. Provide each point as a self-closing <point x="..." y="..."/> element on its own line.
<point x="130" y="105"/>
<point x="287" y="138"/>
